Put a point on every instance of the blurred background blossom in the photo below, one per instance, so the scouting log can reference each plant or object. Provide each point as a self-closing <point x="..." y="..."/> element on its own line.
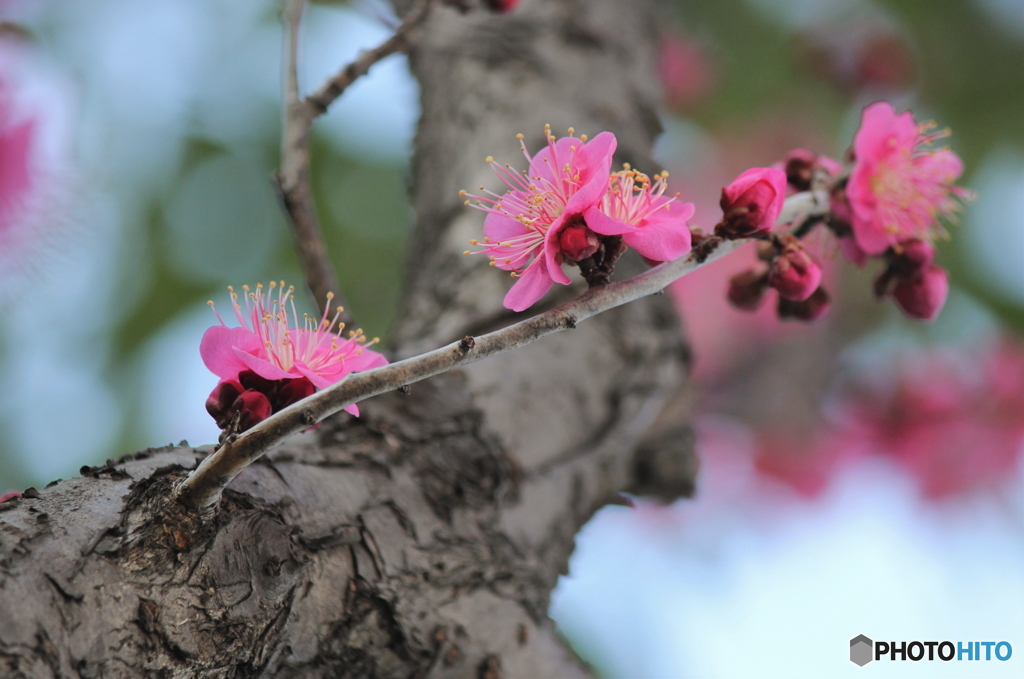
<point x="861" y="475"/>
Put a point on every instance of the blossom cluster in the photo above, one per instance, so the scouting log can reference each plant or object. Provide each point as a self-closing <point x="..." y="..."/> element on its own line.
<point x="889" y="204"/>
<point x="273" y="360"/>
<point x="569" y="209"/>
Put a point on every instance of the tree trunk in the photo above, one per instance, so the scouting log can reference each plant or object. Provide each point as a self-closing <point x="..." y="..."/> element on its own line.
<point x="424" y="539"/>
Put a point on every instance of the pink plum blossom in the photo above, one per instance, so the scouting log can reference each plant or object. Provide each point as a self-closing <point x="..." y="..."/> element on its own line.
<point x="751" y="204"/>
<point x="899" y="187"/>
<point x="686" y="73"/>
<point x="273" y="354"/>
<point x="636" y="209"/>
<point x="523" y="228"/>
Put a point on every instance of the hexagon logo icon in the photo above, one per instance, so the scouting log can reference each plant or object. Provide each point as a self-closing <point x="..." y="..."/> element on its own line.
<point x="861" y="650"/>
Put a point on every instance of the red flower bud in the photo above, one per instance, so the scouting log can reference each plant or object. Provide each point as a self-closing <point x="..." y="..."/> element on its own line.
<point x="577" y="241"/>
<point x="794" y="273"/>
<point x="752" y="203"/>
<point x="746" y="289"/>
<point x="291" y="391"/>
<point x="914" y="254"/>
<point x="254" y="408"/>
<point x="811" y="309"/>
<point x="922" y="294"/>
<point x="220" y="401"/>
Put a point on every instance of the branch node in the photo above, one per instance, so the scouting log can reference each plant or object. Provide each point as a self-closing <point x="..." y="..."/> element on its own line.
<point x="308" y="417"/>
<point x="466" y="344"/>
<point x="405" y="390"/>
<point x="570" y="322"/>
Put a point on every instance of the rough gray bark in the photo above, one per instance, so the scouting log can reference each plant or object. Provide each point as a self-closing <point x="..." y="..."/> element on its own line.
<point x="424" y="539"/>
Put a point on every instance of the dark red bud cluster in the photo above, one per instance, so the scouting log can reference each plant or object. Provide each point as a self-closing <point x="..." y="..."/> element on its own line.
<point x="912" y="278"/>
<point x="247" y="401"/>
<point x="791" y="271"/>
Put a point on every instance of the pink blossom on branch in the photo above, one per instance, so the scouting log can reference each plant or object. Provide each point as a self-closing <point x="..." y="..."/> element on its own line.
<point x="899" y="187"/>
<point x="637" y="209"/>
<point x="276" y="356"/>
<point x="523" y="228"/>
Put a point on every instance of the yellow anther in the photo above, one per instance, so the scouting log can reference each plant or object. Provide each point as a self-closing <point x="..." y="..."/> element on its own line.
<point x="520" y="136"/>
<point x="462" y="193"/>
<point x="341" y="309"/>
<point x="583" y="137"/>
<point x="627" y="166"/>
<point x="210" y="302"/>
<point x="467" y="202"/>
<point x="489" y="159"/>
<point x="474" y="242"/>
<point x="330" y="295"/>
<point x="465" y="252"/>
<point x="571" y="130"/>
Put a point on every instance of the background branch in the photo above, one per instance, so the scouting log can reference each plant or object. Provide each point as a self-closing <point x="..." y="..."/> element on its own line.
<point x="204" y="485"/>
<point x="299" y="116"/>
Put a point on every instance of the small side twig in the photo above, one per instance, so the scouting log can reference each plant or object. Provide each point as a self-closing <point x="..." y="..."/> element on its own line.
<point x="299" y="116"/>
<point x="203" y="487"/>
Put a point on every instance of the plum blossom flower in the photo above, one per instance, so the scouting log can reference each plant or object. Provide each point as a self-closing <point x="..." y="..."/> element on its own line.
<point x="752" y="203"/>
<point x="637" y="209"/>
<point x="899" y="187"/>
<point x="273" y="359"/>
<point x="523" y="228"/>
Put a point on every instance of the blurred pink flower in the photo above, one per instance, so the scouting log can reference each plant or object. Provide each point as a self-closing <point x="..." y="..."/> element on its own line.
<point x="751" y="203"/>
<point x="9" y="495"/>
<point x="650" y="223"/>
<point x="899" y="188"/>
<point x="686" y="74"/>
<point x="34" y="154"/>
<point x="523" y="229"/>
<point x="271" y="345"/>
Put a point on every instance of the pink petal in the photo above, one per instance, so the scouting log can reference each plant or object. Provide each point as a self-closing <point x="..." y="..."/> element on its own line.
<point x="882" y="131"/>
<point x="553" y="267"/>
<point x="500" y="227"/>
<point x="264" y="368"/>
<point x="368" y="360"/>
<point x="352" y="409"/>
<point x="601" y="223"/>
<point x="218" y="346"/>
<point x="664" y="239"/>
<point x="319" y="381"/>
<point x="546" y="167"/>
<point x="530" y="287"/>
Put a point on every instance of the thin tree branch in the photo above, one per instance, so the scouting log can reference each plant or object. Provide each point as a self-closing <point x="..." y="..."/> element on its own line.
<point x="403" y="38"/>
<point x="203" y="487"/>
<point x="293" y="178"/>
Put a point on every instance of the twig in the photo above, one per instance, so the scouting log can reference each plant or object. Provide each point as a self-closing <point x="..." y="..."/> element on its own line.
<point x="293" y="178"/>
<point x="203" y="487"/>
<point x="402" y="39"/>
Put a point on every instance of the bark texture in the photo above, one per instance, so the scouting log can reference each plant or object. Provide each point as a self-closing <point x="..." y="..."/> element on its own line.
<point x="424" y="539"/>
